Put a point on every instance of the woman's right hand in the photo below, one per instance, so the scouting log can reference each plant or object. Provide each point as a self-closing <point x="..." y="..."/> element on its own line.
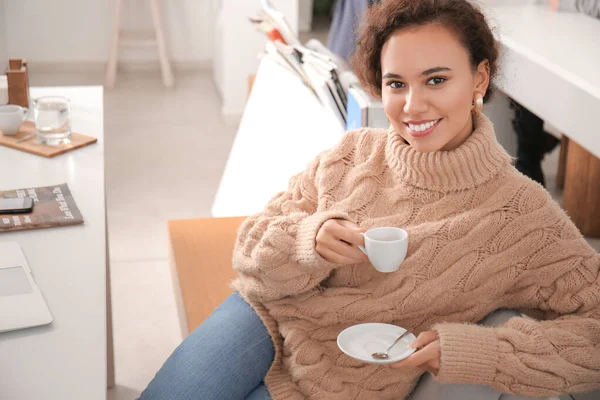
<point x="337" y="242"/>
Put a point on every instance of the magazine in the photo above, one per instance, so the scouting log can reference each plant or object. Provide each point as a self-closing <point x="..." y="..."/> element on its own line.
<point x="53" y="206"/>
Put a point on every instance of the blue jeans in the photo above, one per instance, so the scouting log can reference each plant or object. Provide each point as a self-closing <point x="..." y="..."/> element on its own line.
<point x="227" y="357"/>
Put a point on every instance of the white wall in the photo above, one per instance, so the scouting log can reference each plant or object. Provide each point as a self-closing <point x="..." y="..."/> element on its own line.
<point x="57" y="31"/>
<point x="3" y="52"/>
<point x="305" y="17"/>
<point x="237" y="48"/>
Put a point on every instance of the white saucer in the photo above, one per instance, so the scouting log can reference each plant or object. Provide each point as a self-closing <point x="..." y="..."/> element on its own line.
<point x="360" y="341"/>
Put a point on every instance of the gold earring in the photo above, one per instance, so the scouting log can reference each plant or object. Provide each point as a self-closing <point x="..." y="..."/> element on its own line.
<point x="477" y="106"/>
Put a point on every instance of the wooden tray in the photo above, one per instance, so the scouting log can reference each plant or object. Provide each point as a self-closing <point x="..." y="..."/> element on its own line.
<point x="34" y="147"/>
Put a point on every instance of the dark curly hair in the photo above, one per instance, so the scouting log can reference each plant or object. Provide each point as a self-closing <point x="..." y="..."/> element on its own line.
<point x="462" y="17"/>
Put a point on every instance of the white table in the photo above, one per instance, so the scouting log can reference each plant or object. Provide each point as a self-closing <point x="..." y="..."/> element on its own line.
<point x="551" y="65"/>
<point x="283" y="128"/>
<point x="67" y="359"/>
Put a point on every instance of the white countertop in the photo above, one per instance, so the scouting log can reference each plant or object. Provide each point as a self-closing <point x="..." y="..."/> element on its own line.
<point x="67" y="359"/>
<point x="550" y="63"/>
<point x="567" y="43"/>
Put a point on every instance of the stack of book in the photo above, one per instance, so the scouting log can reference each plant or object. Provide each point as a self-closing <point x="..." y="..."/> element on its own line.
<point x="326" y="75"/>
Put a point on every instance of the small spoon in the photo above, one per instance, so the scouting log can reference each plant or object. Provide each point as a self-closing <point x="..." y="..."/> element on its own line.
<point x="383" y="356"/>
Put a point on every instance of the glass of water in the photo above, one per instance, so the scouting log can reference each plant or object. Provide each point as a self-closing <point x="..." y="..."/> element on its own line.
<point x="52" y="116"/>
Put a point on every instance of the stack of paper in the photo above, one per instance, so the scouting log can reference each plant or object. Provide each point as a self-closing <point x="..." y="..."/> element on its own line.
<point x="326" y="75"/>
<point x="323" y="76"/>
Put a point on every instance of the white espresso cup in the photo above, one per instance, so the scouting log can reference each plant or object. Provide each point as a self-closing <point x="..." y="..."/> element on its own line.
<point x="386" y="247"/>
<point x="11" y="118"/>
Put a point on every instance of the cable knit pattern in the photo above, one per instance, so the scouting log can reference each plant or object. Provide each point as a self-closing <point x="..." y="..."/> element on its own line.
<point x="481" y="237"/>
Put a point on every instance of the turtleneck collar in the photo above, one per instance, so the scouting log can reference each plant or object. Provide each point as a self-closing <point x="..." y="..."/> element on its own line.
<point x="477" y="160"/>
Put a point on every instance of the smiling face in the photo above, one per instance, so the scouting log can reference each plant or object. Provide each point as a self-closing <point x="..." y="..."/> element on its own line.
<point x="428" y="87"/>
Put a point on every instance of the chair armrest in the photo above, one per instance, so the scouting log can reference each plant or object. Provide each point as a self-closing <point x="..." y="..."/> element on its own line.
<point x="201" y="253"/>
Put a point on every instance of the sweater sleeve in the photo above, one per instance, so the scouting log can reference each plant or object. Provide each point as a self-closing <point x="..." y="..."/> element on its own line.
<point x="275" y="252"/>
<point x="589" y="7"/>
<point x="560" y="354"/>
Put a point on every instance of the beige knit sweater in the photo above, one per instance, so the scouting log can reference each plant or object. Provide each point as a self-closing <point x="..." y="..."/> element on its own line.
<point x="481" y="237"/>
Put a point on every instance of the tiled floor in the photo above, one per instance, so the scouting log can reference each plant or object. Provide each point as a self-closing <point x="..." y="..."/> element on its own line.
<point x="165" y="153"/>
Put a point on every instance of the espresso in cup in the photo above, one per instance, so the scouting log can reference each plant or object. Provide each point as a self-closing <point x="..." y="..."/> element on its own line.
<point x="386" y="247"/>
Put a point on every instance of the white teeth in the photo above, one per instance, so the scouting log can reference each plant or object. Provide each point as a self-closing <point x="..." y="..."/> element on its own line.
<point x="422" y="127"/>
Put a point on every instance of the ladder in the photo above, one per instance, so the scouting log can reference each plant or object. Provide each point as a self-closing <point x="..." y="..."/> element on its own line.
<point x="157" y="41"/>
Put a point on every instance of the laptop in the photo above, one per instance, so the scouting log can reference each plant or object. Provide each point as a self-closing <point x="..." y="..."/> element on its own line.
<point x="21" y="302"/>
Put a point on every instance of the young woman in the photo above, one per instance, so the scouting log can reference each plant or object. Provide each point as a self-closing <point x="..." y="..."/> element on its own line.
<point x="482" y="237"/>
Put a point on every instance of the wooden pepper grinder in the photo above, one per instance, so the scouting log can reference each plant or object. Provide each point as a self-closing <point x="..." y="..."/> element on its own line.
<point x="18" y="82"/>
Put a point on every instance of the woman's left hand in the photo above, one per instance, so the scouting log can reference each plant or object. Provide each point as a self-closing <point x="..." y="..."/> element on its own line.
<point x="428" y="354"/>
